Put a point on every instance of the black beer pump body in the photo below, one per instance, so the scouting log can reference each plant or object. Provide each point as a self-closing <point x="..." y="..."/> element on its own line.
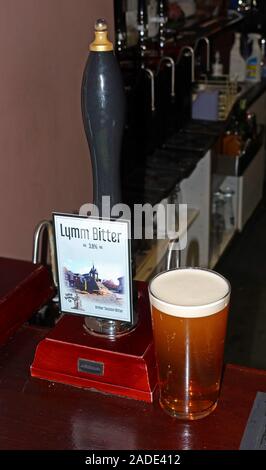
<point x="103" y="109"/>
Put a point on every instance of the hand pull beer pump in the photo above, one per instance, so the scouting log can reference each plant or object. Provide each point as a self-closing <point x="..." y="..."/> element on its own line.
<point x="103" y="109"/>
<point x="108" y="355"/>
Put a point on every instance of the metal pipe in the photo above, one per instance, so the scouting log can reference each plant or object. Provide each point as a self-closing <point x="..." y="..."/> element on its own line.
<point x="171" y="248"/>
<point x="151" y="77"/>
<point x="208" y="50"/>
<point x="172" y="65"/>
<point x="36" y="245"/>
<point x="192" y="54"/>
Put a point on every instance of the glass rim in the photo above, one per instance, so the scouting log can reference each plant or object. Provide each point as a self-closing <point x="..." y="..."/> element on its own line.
<point x="192" y="307"/>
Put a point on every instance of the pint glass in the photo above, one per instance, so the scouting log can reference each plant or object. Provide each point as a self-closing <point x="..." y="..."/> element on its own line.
<point x="189" y="316"/>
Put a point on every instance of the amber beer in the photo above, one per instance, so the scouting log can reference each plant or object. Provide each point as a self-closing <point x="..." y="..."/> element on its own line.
<point x="189" y="317"/>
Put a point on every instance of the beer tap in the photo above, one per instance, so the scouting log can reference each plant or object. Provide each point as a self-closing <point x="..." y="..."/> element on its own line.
<point x="150" y="74"/>
<point x="189" y="51"/>
<point x="162" y="21"/>
<point x="120" y="25"/>
<point x="207" y="42"/>
<point x="172" y="65"/>
<point x="142" y="26"/>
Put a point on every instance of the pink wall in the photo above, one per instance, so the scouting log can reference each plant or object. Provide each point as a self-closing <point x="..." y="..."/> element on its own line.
<point x="44" y="159"/>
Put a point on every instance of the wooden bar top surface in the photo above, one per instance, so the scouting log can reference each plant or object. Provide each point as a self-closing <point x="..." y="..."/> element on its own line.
<point x="37" y="414"/>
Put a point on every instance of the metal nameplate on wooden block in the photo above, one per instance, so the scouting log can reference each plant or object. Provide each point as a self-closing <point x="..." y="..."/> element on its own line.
<point x="254" y="437"/>
<point x="90" y="367"/>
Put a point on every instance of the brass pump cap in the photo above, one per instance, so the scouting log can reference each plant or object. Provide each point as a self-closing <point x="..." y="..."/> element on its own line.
<point x="101" y="42"/>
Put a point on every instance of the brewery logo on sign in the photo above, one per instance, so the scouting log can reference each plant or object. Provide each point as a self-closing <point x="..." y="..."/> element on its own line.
<point x="94" y="266"/>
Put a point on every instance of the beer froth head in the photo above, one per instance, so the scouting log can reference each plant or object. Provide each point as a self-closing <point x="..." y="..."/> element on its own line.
<point x="189" y="292"/>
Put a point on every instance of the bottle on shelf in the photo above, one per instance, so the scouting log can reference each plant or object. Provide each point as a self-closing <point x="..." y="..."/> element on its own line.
<point x="217" y="66"/>
<point x="242" y="130"/>
<point x="254" y="60"/>
<point x="237" y="67"/>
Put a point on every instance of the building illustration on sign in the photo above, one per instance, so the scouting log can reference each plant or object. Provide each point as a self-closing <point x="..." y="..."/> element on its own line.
<point x="91" y="284"/>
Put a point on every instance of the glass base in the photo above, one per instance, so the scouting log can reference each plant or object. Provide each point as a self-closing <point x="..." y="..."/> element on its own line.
<point x="188" y="416"/>
<point x="110" y="329"/>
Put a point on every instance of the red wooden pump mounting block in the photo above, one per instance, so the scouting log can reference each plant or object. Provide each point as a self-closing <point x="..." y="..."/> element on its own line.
<point x="125" y="366"/>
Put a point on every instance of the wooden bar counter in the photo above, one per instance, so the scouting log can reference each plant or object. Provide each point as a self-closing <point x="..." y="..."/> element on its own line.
<point x="37" y="414"/>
